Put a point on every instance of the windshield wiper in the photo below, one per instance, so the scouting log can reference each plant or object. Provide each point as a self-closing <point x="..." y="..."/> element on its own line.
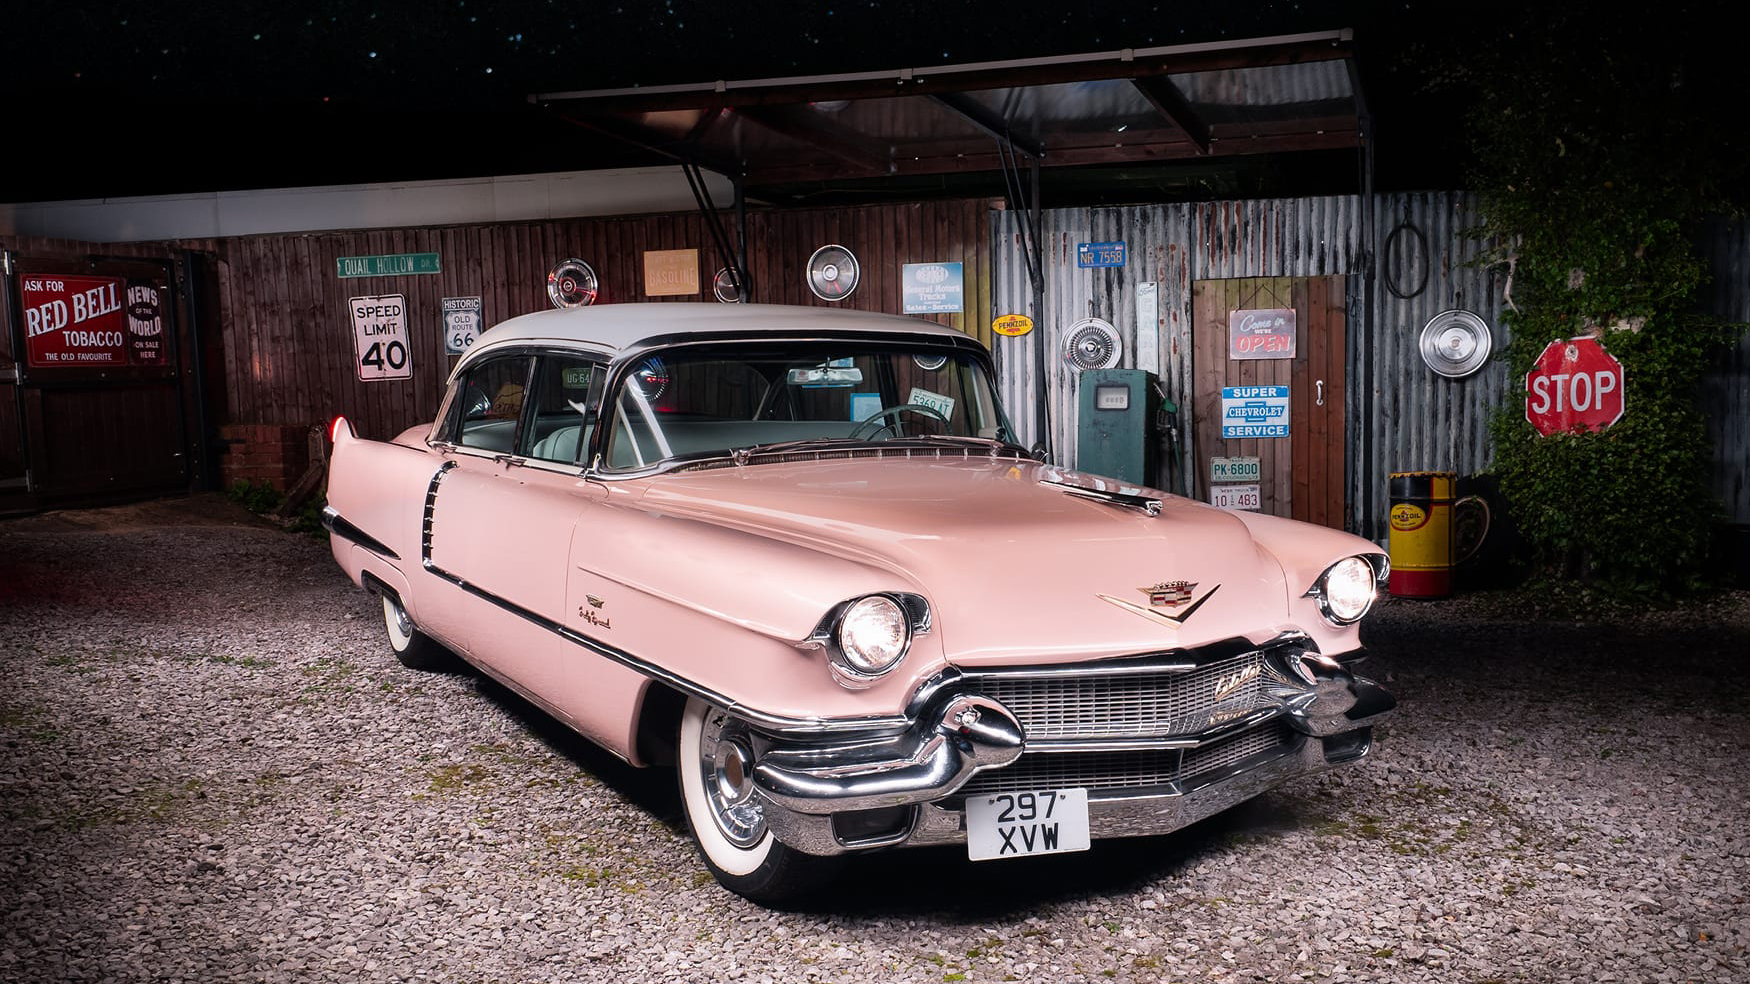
<point x="959" y="440"/>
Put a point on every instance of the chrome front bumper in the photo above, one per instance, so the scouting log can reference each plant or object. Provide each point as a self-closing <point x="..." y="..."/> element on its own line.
<point x="908" y="783"/>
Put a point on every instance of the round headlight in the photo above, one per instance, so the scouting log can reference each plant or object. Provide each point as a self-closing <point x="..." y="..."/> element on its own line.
<point x="1347" y="589"/>
<point x="873" y="635"/>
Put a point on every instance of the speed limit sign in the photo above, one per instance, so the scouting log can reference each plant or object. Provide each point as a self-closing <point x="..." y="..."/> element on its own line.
<point x="379" y="326"/>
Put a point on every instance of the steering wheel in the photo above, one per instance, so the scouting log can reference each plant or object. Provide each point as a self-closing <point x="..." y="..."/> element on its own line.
<point x="893" y="411"/>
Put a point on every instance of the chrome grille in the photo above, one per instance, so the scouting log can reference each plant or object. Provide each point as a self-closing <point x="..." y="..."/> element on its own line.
<point x="1128" y="705"/>
<point x="1131" y="770"/>
<point x="1228" y="751"/>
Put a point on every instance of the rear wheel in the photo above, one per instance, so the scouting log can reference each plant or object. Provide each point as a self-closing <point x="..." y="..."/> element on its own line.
<point x="413" y="648"/>
<point x="727" y="819"/>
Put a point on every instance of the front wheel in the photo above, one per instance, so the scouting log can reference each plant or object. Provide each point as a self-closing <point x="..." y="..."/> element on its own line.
<point x="726" y="817"/>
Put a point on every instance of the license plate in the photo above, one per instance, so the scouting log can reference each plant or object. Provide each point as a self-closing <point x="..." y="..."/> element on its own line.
<point x="1013" y="825"/>
<point x="1235" y="496"/>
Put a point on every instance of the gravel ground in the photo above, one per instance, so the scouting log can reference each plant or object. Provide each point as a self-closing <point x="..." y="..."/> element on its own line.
<point x="210" y="769"/>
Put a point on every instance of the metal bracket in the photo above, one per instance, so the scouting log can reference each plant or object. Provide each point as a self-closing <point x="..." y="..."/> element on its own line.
<point x="714" y="225"/>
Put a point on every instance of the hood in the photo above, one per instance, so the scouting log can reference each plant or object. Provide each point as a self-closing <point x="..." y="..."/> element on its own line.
<point x="1014" y="570"/>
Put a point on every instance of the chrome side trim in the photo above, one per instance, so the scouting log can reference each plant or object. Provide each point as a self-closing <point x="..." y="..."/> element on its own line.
<point x="337" y="525"/>
<point x="871" y="725"/>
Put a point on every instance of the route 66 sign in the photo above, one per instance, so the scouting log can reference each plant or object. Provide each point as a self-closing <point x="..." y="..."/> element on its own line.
<point x="461" y="324"/>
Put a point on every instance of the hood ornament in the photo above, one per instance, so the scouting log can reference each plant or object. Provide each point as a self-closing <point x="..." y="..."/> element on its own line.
<point x="1149" y="505"/>
<point x="1171" y="594"/>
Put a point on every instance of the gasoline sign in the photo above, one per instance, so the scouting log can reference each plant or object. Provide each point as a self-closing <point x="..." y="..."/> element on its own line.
<point x="1012" y="325"/>
<point x="1575" y="385"/>
<point x="380" y="336"/>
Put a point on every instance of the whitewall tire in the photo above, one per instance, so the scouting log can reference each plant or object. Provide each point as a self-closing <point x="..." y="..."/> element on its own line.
<point x="413" y="648"/>
<point x="726" y="817"/>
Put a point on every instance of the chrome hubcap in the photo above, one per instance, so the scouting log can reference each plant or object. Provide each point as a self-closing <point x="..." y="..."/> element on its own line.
<point x="403" y="624"/>
<point x="726" y="766"/>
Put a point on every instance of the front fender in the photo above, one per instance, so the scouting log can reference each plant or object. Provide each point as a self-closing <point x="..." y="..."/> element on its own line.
<point x="1304" y="551"/>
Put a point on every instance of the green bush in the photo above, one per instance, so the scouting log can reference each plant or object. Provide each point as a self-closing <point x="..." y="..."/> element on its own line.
<point x="1597" y="163"/>
<point x="257" y="497"/>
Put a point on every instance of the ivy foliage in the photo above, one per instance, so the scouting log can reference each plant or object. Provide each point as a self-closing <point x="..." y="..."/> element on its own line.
<point x="1599" y="150"/>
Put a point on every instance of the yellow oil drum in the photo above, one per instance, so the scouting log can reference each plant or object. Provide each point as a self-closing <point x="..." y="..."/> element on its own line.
<point x="1421" y="534"/>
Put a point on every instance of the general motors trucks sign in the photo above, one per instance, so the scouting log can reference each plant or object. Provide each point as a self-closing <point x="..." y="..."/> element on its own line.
<point x="1254" y="411"/>
<point x="934" y="288"/>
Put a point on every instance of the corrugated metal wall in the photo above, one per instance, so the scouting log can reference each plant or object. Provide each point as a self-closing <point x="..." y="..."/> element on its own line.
<point x="1400" y="415"/>
<point x="288" y="344"/>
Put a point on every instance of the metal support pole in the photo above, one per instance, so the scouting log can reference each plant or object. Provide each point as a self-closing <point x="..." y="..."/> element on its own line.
<point x="741" y="241"/>
<point x="1036" y="266"/>
<point x="1362" y="454"/>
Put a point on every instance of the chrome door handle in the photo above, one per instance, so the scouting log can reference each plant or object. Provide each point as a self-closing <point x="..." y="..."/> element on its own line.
<point x="1320" y="385"/>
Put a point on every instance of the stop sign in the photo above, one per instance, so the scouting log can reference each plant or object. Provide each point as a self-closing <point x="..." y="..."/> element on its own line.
<point x="1574" y="386"/>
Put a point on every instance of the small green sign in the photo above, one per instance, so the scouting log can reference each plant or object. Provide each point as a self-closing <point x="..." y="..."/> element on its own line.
<point x="387" y="265"/>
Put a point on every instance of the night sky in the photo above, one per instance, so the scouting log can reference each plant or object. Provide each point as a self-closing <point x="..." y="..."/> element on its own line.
<point x="115" y="99"/>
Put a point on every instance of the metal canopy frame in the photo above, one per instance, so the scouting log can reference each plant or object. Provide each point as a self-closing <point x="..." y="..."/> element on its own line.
<point x="1281" y="94"/>
<point x="1263" y="95"/>
<point x="1278" y="94"/>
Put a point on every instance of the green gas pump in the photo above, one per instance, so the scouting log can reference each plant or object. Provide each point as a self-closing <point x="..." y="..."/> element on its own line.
<point x="1115" y="425"/>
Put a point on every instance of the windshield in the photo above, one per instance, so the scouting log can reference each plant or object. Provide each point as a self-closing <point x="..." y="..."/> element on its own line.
<point x="695" y="401"/>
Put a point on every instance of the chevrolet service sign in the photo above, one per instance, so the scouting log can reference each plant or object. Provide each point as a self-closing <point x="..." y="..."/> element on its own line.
<point x="1254" y="411"/>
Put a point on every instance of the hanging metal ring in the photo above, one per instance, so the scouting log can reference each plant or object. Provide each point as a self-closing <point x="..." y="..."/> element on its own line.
<point x="1391" y="271"/>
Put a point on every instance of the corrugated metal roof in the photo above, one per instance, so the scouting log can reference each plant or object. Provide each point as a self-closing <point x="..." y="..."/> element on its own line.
<point x="1258" y="95"/>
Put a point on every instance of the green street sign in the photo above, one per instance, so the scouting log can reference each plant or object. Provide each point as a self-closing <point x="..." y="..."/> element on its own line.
<point x="387" y="265"/>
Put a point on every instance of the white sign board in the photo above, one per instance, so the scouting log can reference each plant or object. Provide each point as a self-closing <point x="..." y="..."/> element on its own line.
<point x="1235" y="497"/>
<point x="1235" y="470"/>
<point x="461" y="324"/>
<point x="933" y="288"/>
<point x="379" y="325"/>
<point x="1254" y="411"/>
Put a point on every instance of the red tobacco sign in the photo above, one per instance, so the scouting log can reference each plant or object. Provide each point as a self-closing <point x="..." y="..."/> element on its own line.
<point x="1575" y="385"/>
<point x="74" y="321"/>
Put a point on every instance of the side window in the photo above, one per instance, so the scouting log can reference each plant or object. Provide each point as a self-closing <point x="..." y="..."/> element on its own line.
<point x="562" y="408"/>
<point x="490" y="402"/>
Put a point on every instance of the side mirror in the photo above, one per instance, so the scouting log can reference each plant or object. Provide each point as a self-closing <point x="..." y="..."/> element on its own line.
<point x="1039" y="452"/>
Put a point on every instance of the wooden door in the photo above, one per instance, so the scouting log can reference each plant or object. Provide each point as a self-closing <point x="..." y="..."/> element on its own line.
<point x="1301" y="474"/>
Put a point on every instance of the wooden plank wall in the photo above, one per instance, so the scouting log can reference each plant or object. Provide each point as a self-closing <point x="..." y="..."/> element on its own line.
<point x="288" y="339"/>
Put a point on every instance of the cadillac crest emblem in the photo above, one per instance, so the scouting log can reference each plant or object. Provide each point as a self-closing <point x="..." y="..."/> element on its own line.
<point x="1169" y="594"/>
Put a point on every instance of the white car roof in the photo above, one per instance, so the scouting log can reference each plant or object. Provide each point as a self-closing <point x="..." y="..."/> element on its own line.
<point x="620" y="327"/>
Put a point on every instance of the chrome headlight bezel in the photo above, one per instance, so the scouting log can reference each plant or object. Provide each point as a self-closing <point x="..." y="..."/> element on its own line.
<point x="855" y="672"/>
<point x="1376" y="568"/>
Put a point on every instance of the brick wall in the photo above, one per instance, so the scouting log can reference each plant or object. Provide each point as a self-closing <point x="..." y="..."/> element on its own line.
<point x="274" y="453"/>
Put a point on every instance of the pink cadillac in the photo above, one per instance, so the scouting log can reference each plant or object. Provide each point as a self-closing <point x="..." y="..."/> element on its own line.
<point x="797" y="554"/>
